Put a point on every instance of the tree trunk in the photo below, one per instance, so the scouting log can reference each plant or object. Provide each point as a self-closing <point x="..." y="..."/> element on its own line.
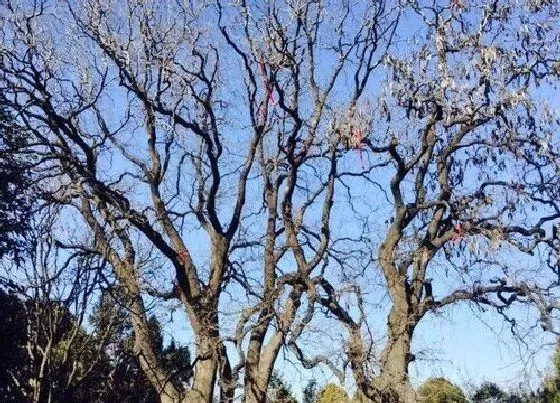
<point x="254" y="392"/>
<point x="147" y="357"/>
<point x="204" y="320"/>
<point x="204" y="379"/>
<point x="256" y="384"/>
<point x="260" y="361"/>
<point x="393" y="383"/>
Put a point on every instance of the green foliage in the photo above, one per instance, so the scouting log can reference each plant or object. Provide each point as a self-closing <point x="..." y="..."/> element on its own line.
<point x="332" y="393"/>
<point x="440" y="390"/>
<point x="97" y="366"/>
<point x="62" y="355"/>
<point x="177" y="360"/>
<point x="551" y="390"/>
<point x="13" y="364"/>
<point x="489" y="392"/>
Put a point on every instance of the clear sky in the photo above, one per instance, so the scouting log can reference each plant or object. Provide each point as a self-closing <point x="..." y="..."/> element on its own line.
<point x="460" y="343"/>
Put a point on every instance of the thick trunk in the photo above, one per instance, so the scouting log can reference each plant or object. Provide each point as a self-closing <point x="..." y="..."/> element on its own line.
<point x="260" y="361"/>
<point x="393" y="384"/>
<point x="211" y="355"/>
<point x="206" y="363"/>
<point x="255" y="382"/>
<point x="204" y="320"/>
<point x="258" y="375"/>
<point x="255" y="392"/>
<point x="258" y="368"/>
<point x="147" y="357"/>
<point x="203" y="383"/>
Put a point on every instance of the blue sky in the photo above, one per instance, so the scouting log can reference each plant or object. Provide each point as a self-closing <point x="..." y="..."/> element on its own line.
<point x="461" y="343"/>
<point x="456" y="344"/>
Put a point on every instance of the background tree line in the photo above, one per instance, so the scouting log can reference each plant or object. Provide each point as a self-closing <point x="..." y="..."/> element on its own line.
<point x="56" y="347"/>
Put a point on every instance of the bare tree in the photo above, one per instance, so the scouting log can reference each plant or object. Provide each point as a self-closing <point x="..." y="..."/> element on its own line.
<point x="274" y="155"/>
<point x="471" y="178"/>
<point x="214" y="136"/>
<point x="52" y="292"/>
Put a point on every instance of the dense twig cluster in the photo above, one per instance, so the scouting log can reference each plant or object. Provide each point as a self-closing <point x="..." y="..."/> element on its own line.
<point x="204" y="147"/>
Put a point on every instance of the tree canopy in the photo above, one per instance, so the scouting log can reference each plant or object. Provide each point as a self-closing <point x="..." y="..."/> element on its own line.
<point x="440" y="390"/>
<point x="332" y="393"/>
<point x="305" y="181"/>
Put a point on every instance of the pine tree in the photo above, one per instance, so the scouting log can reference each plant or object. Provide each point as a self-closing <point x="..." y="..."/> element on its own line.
<point x="489" y="392"/>
<point x="279" y="391"/>
<point x="127" y="381"/>
<point x="440" y="390"/>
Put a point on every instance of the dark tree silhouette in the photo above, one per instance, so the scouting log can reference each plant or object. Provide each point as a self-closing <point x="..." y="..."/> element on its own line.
<point x="126" y="381"/>
<point x="257" y="163"/>
<point x="13" y="357"/>
<point x="16" y="204"/>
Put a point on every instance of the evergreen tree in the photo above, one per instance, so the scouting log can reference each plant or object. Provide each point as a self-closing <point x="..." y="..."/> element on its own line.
<point x="440" y="390"/>
<point x="332" y="393"/>
<point x="13" y="357"/>
<point x="127" y="380"/>
<point x="177" y="360"/>
<point x="489" y="392"/>
<point x="551" y="390"/>
<point x="57" y="362"/>
<point x="16" y="203"/>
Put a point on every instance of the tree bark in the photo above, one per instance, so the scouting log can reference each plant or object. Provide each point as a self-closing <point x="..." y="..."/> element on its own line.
<point x="146" y="355"/>
<point x="258" y="376"/>
<point x="255" y="385"/>
<point x="204" y="379"/>
<point x="261" y="360"/>
<point x="255" y="392"/>
<point x="393" y="383"/>
<point x="205" y="324"/>
<point x="128" y="277"/>
<point x="259" y="363"/>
